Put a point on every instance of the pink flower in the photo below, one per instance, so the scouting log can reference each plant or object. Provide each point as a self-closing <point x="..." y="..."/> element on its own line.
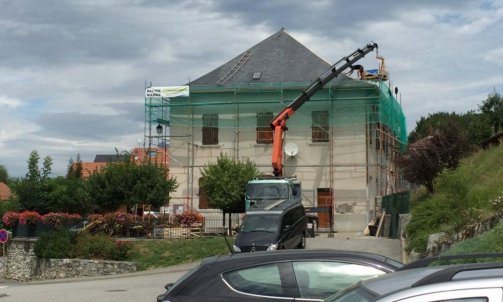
<point x="189" y="218"/>
<point x="10" y="218"/>
<point x="29" y="217"/>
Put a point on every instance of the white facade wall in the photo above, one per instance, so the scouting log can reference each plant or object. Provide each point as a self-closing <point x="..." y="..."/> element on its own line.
<point x="358" y="172"/>
<point x="311" y="165"/>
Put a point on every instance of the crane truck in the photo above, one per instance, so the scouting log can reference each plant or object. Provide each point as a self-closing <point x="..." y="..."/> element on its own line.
<point x="268" y="193"/>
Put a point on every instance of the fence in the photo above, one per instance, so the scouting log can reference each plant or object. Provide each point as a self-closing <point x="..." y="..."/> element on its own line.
<point x="168" y="228"/>
<point x="394" y="205"/>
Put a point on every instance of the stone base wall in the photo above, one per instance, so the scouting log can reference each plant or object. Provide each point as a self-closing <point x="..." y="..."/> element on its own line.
<point x="76" y="268"/>
<point x="440" y="242"/>
<point x="23" y="265"/>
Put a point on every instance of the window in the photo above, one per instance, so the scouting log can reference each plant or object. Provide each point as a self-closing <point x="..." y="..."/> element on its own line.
<point x="320" y="279"/>
<point x="210" y="129"/>
<point x="320" y="129"/>
<point x="264" y="280"/>
<point x="266" y="222"/>
<point x="264" y="130"/>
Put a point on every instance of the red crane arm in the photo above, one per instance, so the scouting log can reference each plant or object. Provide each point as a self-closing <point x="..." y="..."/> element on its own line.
<point x="278" y="124"/>
<point x="279" y="127"/>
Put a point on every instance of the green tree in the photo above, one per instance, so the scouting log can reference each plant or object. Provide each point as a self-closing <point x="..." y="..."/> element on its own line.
<point x="476" y="126"/>
<point x="130" y="184"/>
<point x="4" y="175"/>
<point x="225" y="182"/>
<point x="33" y="169"/>
<point x="29" y="189"/>
<point x="46" y="167"/>
<point x="62" y="194"/>
<point x="75" y="168"/>
<point x="492" y="107"/>
<point x="38" y="192"/>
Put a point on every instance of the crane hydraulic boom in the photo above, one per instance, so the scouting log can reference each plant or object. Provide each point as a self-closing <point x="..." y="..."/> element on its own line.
<point x="278" y="124"/>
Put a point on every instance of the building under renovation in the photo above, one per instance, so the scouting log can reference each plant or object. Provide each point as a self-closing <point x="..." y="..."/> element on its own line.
<point x="342" y="144"/>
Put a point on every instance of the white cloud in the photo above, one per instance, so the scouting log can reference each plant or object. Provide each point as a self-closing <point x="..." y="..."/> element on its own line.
<point x="70" y="71"/>
<point x="6" y="101"/>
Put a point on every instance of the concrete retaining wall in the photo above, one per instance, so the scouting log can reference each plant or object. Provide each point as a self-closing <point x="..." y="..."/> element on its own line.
<point x="23" y="265"/>
<point x="350" y="222"/>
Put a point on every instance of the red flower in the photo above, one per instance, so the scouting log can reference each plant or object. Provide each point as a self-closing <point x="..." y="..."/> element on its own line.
<point x="29" y="217"/>
<point x="189" y="218"/>
<point x="57" y="218"/>
<point x="10" y="218"/>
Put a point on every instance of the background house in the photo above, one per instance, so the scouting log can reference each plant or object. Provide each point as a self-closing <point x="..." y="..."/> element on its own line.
<point x="5" y="192"/>
<point x="348" y="135"/>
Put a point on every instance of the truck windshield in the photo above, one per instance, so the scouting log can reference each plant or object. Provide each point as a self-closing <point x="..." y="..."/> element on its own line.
<point x="267" y="191"/>
<point x="265" y="223"/>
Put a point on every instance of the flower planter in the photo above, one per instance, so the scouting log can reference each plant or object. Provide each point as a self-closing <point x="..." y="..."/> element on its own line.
<point x="24" y="230"/>
<point x="31" y="230"/>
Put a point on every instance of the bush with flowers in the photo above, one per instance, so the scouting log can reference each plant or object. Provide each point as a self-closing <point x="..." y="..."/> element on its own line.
<point x="10" y="218"/>
<point x="111" y="223"/>
<point x="189" y="219"/>
<point x="61" y="219"/>
<point x="95" y="218"/>
<point x="29" y="217"/>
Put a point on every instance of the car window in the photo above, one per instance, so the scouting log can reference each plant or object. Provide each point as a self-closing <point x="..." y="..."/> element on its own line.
<point x="320" y="279"/>
<point x="266" y="223"/>
<point x="261" y="280"/>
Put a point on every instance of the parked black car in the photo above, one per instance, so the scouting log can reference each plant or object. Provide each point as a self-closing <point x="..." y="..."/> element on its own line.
<point x="273" y="229"/>
<point x="286" y="275"/>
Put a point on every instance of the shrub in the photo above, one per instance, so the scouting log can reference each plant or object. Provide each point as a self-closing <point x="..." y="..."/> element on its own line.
<point x="63" y="243"/>
<point x="189" y="218"/>
<point x="121" y="251"/>
<point x="100" y="246"/>
<point x="9" y="206"/>
<point x="55" y="218"/>
<point x="73" y="219"/>
<point x="10" y="218"/>
<point x="57" y="244"/>
<point x="29" y="217"/>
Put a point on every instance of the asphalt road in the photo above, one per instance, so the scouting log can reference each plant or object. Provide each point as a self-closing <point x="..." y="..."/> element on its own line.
<point x="146" y="285"/>
<point x="391" y="248"/>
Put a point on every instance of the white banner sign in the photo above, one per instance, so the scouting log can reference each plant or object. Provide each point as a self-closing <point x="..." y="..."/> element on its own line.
<point x="167" y="92"/>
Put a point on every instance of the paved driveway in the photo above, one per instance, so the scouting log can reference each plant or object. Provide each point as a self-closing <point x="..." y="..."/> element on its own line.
<point x="358" y="242"/>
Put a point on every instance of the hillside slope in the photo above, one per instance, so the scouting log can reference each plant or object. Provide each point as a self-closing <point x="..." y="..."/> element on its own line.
<point x="464" y="196"/>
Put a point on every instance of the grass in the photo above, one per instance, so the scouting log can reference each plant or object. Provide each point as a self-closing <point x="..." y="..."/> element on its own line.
<point x="489" y="242"/>
<point x="154" y="253"/>
<point x="463" y="196"/>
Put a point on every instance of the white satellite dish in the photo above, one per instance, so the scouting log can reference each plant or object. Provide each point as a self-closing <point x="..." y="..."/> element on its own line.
<point x="291" y="149"/>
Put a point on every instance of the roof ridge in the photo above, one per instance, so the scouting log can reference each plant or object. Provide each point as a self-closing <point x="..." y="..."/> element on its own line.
<point x="278" y="58"/>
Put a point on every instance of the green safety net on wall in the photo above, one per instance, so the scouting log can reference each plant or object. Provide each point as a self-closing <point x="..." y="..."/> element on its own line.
<point x="349" y="102"/>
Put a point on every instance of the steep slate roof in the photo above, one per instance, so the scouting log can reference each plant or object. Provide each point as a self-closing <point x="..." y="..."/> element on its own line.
<point x="279" y="58"/>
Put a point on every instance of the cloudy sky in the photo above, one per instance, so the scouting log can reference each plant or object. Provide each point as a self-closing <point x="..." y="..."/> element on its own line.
<point x="72" y="73"/>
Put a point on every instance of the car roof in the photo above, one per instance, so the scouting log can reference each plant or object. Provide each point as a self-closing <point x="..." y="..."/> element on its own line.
<point x="388" y="284"/>
<point x="446" y="287"/>
<point x="226" y="262"/>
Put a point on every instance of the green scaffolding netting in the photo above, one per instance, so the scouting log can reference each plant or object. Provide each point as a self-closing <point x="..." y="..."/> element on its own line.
<point x="349" y="103"/>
